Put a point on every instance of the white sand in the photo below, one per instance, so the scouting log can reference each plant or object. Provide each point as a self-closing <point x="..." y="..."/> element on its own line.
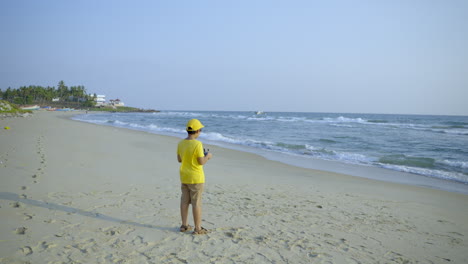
<point x="74" y="192"/>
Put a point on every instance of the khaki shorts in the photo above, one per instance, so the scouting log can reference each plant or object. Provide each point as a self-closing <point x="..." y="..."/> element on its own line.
<point x="192" y="194"/>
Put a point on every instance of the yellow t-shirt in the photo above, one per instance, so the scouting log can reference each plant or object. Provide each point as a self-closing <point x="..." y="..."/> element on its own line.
<point x="191" y="172"/>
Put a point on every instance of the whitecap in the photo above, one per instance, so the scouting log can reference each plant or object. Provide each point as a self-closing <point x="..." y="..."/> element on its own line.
<point x="456" y="163"/>
<point x="455" y="176"/>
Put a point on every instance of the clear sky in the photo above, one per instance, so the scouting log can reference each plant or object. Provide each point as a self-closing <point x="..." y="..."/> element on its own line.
<point x="375" y="56"/>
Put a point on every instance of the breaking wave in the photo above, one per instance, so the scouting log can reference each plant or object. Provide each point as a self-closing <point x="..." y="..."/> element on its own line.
<point x="429" y="146"/>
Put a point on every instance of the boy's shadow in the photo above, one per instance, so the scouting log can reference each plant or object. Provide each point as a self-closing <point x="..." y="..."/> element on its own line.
<point x="57" y="207"/>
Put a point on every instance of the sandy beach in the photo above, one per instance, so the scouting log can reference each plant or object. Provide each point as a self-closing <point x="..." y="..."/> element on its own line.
<point x="74" y="192"/>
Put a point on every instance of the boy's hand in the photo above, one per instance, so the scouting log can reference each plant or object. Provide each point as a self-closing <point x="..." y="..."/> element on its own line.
<point x="205" y="159"/>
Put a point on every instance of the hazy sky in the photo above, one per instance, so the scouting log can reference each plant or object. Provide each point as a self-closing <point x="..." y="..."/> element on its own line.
<point x="394" y="56"/>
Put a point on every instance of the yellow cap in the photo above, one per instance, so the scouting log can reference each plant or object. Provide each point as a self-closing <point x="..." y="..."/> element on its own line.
<point x="194" y="125"/>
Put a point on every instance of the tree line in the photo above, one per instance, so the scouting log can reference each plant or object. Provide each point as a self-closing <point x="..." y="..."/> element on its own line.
<point x="44" y="95"/>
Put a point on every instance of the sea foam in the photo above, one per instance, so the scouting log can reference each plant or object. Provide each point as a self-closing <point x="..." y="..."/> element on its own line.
<point x="432" y="146"/>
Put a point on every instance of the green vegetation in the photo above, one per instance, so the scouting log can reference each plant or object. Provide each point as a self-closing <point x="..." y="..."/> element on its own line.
<point x="8" y="108"/>
<point x="60" y="97"/>
<point x="66" y="96"/>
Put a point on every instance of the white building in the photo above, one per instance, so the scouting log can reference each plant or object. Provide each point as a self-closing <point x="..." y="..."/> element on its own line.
<point x="100" y="100"/>
<point x="116" y="102"/>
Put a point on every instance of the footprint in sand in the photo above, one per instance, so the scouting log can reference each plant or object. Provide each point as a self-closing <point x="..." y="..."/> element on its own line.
<point x="46" y="245"/>
<point x="20" y="230"/>
<point x="110" y="232"/>
<point x="445" y="259"/>
<point x="15" y="205"/>
<point x="50" y="221"/>
<point x="27" y="250"/>
<point x="455" y="233"/>
<point x="27" y="217"/>
<point x="36" y="176"/>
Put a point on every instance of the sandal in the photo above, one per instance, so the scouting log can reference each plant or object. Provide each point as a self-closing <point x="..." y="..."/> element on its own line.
<point x="185" y="228"/>
<point x="202" y="231"/>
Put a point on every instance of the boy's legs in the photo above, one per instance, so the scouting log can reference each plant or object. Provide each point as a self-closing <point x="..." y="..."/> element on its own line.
<point x="196" y="191"/>
<point x="184" y="204"/>
<point x="197" y="215"/>
<point x="184" y="213"/>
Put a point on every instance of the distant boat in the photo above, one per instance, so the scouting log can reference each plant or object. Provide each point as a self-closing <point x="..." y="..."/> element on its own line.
<point x="48" y="108"/>
<point x="30" y="107"/>
<point x="259" y="112"/>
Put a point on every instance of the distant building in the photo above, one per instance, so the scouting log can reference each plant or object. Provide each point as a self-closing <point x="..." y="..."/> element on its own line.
<point x="56" y="99"/>
<point x="100" y="100"/>
<point x="76" y="99"/>
<point x="116" y="102"/>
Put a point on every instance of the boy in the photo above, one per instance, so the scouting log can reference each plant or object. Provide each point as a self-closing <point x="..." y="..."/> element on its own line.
<point x="192" y="158"/>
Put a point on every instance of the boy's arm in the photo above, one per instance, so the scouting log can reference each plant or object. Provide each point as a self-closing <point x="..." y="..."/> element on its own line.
<point x="179" y="158"/>
<point x="205" y="159"/>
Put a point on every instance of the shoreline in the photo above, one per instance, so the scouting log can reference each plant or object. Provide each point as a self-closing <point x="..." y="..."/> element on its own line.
<point x="355" y="170"/>
<point x="79" y="192"/>
<point x="367" y="172"/>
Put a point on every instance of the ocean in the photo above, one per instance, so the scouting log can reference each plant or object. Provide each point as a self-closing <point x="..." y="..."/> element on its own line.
<point x="429" y="146"/>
